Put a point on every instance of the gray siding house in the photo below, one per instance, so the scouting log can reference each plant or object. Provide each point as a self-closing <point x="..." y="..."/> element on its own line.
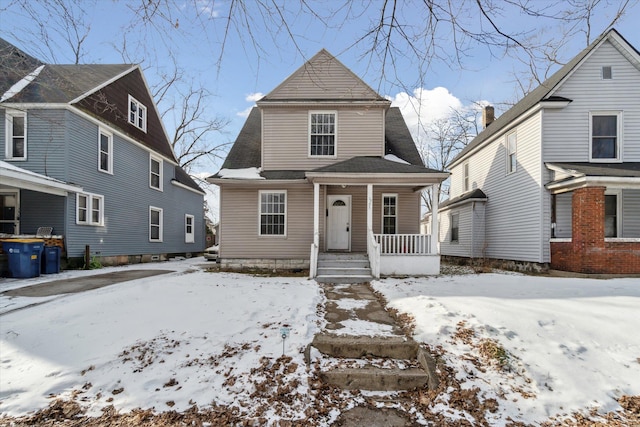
<point x="325" y="168"/>
<point x="556" y="179"/>
<point x="83" y="151"/>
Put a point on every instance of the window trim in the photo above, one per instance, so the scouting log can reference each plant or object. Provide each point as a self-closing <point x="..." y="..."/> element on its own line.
<point x="139" y="107"/>
<point x="285" y="213"/>
<point x="109" y="136"/>
<point x="89" y="209"/>
<point x="466" y="184"/>
<point x="514" y="153"/>
<point x="153" y="158"/>
<point x="160" y="225"/>
<point x="618" y="194"/>
<point x="189" y="237"/>
<point x="9" y="116"/>
<point x="457" y="237"/>
<point x="619" y="136"/>
<point x="383" y="216"/>
<point x="335" y="135"/>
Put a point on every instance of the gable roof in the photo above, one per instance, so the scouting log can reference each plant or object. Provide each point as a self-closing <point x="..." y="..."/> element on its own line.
<point x="246" y="150"/>
<point x="546" y="90"/>
<point x="323" y="77"/>
<point x="15" y="65"/>
<point x="470" y="196"/>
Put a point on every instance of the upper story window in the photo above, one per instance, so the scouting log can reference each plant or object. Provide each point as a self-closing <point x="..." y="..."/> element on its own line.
<point x="389" y="213"/>
<point x="607" y="73"/>
<point x="322" y="134"/>
<point x="273" y="213"/>
<point x="512" y="146"/>
<point x="105" y="151"/>
<point x="465" y="177"/>
<point x="137" y="114"/>
<point x="606" y="136"/>
<point x="89" y="209"/>
<point x="16" y="135"/>
<point x="155" y="173"/>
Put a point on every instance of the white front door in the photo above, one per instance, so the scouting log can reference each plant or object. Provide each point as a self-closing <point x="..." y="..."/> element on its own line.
<point x="339" y="223"/>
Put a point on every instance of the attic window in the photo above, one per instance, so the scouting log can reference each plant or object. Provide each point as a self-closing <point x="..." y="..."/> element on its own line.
<point x="607" y="73"/>
<point x="137" y="114"/>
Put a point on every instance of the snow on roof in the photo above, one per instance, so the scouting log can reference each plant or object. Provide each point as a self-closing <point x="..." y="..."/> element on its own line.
<point x="245" y="173"/>
<point x="16" y="88"/>
<point x="395" y="158"/>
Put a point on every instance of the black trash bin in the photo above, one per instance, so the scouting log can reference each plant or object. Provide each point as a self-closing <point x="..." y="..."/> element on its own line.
<point x="23" y="256"/>
<point x="51" y="260"/>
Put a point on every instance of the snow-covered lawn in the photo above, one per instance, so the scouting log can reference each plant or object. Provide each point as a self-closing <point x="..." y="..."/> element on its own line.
<point x="195" y="338"/>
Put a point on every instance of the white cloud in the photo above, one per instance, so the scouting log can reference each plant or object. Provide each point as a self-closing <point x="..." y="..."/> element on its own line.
<point x="208" y="7"/>
<point x="252" y="97"/>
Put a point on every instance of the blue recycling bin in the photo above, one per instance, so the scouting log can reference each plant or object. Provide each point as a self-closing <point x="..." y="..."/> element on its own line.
<point x="51" y="260"/>
<point x="23" y="256"/>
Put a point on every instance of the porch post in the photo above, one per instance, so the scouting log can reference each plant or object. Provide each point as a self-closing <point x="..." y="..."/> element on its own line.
<point x="316" y="214"/>
<point x="434" y="218"/>
<point x="369" y="209"/>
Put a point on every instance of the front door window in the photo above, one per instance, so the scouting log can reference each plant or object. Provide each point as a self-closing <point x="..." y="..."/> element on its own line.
<point x="9" y="213"/>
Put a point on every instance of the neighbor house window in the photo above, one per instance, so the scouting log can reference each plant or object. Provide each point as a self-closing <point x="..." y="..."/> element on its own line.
<point x="137" y="114"/>
<point x="511" y="152"/>
<point x="455" y="226"/>
<point x="465" y="177"/>
<point x="606" y="136"/>
<point x="611" y="215"/>
<point x="105" y="151"/>
<point x="273" y="213"/>
<point x="389" y="213"/>
<point x="155" y="224"/>
<point x="189" y="235"/>
<point x="89" y="209"/>
<point x="155" y="173"/>
<point x="16" y="135"/>
<point x="322" y="134"/>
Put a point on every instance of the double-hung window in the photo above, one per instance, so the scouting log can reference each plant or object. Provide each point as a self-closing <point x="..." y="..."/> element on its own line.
<point x="105" y="151"/>
<point x="606" y="136"/>
<point x="189" y="234"/>
<point x="137" y="114"/>
<point x="389" y="213"/>
<point x="322" y="134"/>
<point x="455" y="227"/>
<point x="89" y="209"/>
<point x="155" y="172"/>
<point x="465" y="177"/>
<point x="512" y="147"/>
<point x="611" y="209"/>
<point x="273" y="213"/>
<point x="16" y="135"/>
<point x="155" y="224"/>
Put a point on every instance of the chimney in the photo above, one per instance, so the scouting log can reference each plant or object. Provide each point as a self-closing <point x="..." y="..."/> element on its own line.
<point x="487" y="116"/>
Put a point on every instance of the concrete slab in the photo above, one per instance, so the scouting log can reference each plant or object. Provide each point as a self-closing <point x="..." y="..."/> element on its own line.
<point x="373" y="417"/>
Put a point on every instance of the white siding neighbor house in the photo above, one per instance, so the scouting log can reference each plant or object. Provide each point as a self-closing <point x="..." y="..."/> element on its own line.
<point x="556" y="179"/>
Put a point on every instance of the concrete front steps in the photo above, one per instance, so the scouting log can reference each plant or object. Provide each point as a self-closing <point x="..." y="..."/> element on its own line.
<point x="389" y="363"/>
<point x="343" y="267"/>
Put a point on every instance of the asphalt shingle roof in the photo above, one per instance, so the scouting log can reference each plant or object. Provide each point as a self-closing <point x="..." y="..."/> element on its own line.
<point x="475" y="194"/>
<point x="629" y="169"/>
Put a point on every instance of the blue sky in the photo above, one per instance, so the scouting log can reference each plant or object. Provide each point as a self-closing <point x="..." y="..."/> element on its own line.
<point x="194" y="30"/>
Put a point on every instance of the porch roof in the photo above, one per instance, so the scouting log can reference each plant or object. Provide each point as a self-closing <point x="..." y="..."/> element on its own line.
<point x="582" y="174"/>
<point x="476" y="195"/>
<point x="15" y="177"/>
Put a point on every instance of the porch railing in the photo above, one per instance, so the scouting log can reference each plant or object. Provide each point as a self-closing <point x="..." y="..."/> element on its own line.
<point x="373" y="250"/>
<point x="404" y="244"/>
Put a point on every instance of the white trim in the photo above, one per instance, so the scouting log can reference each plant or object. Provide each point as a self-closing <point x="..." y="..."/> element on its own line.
<point x="160" y="225"/>
<point x="619" y="136"/>
<point x="622" y="239"/>
<point x="139" y="107"/>
<point x="13" y="176"/>
<point x="109" y="135"/>
<point x="157" y="159"/>
<point x="90" y="197"/>
<point x="186" y="187"/>
<point x="189" y="237"/>
<point x="329" y="204"/>
<point x="593" y="181"/>
<point x="335" y="135"/>
<point x="10" y="115"/>
<point x="382" y="215"/>
<point x="560" y="240"/>
<point x="260" y="213"/>
<point x="466" y="177"/>
<point x="619" y="219"/>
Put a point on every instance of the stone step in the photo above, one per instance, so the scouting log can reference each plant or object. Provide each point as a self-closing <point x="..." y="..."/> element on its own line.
<point x="355" y="347"/>
<point x="376" y="379"/>
<point x="343" y="279"/>
<point x="344" y="271"/>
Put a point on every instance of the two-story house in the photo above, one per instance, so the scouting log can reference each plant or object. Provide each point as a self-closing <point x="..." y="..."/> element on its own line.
<point x="556" y="179"/>
<point x="324" y="165"/>
<point x="83" y="151"/>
